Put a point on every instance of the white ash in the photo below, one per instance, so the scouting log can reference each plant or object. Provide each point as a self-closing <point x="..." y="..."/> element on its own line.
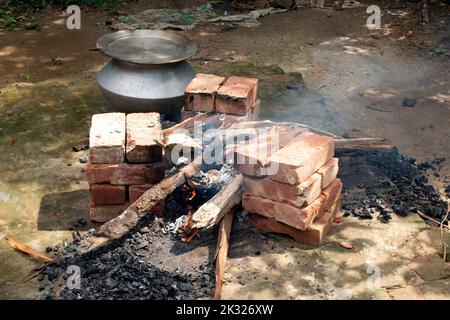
<point x="172" y="226"/>
<point x="217" y="177"/>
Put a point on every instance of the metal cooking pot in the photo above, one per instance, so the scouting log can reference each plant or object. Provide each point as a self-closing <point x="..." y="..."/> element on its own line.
<point x="148" y="71"/>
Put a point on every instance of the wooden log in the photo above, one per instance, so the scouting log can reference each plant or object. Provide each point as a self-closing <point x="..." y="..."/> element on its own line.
<point x="211" y="212"/>
<point x="290" y="130"/>
<point x="297" y="127"/>
<point x="361" y="144"/>
<point x="223" y="243"/>
<point x="119" y="226"/>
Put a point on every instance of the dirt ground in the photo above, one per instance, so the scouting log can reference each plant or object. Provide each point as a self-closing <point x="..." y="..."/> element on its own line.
<point x="357" y="80"/>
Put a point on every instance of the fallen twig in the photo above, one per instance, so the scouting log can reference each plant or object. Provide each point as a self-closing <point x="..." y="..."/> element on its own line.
<point x="35" y="272"/>
<point x="422" y="215"/>
<point x="444" y="244"/>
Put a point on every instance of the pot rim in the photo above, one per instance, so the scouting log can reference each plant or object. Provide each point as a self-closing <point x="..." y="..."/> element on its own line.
<point x="189" y="47"/>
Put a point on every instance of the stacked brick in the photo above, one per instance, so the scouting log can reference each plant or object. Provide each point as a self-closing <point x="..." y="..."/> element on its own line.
<point x="125" y="159"/>
<point x="292" y="190"/>
<point x="236" y="97"/>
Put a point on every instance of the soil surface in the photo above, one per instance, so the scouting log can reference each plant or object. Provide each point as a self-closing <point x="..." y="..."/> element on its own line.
<point x="318" y="67"/>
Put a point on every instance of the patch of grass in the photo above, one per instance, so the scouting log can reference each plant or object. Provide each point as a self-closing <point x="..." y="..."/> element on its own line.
<point x="32" y="24"/>
<point x="20" y="13"/>
<point x="439" y="50"/>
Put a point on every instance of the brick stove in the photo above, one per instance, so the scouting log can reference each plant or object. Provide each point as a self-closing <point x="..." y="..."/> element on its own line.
<point x="300" y="199"/>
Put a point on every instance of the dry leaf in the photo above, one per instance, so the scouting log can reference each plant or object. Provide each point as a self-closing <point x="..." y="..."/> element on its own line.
<point x="346" y="245"/>
<point x="338" y="219"/>
<point x="26" y="249"/>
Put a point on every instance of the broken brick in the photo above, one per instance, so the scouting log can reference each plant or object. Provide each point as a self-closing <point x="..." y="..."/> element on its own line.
<point x="299" y="218"/>
<point x="200" y="93"/>
<point x="301" y="157"/>
<point x="106" y="212"/>
<point x="313" y="236"/>
<point x="125" y="174"/>
<point x="329" y="172"/>
<point x="107" y="138"/>
<point x="136" y="191"/>
<point x="144" y="136"/>
<point x="108" y="194"/>
<point x="237" y="95"/>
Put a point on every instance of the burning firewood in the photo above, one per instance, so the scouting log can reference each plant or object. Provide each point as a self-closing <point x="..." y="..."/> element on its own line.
<point x="212" y="212"/>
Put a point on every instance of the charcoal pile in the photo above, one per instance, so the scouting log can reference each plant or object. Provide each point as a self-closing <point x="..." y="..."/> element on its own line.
<point x="379" y="184"/>
<point x="151" y="262"/>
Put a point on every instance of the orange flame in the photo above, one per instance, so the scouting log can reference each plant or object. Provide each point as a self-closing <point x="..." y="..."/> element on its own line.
<point x="193" y="194"/>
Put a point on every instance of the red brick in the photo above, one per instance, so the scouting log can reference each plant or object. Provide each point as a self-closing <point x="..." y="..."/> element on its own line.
<point x="125" y="174"/>
<point x="251" y="115"/>
<point x="104" y="213"/>
<point x="281" y="136"/>
<point x="301" y="157"/>
<point x="107" y="138"/>
<point x="332" y="193"/>
<point x="108" y="194"/>
<point x="200" y="94"/>
<point x="329" y="172"/>
<point x="136" y="191"/>
<point x="299" y="218"/>
<point x="144" y="137"/>
<point x="314" y="236"/>
<point x="281" y="192"/>
<point x="298" y="196"/>
<point x="237" y="95"/>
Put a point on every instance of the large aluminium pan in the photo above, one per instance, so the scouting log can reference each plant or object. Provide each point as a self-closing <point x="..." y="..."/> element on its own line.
<point x="148" y="70"/>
